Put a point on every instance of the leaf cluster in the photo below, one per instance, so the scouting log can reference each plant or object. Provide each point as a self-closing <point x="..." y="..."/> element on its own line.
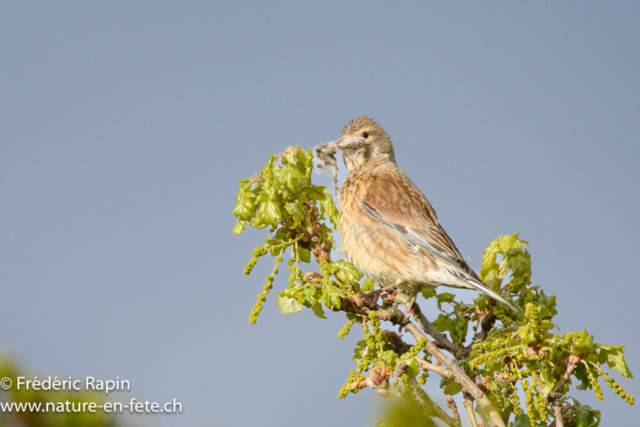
<point x="525" y="351"/>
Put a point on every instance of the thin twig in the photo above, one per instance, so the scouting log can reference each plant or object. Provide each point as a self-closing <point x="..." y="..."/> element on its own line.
<point x="451" y="404"/>
<point x="431" y="367"/>
<point x="558" y="392"/>
<point x="457" y="351"/>
<point x="468" y="405"/>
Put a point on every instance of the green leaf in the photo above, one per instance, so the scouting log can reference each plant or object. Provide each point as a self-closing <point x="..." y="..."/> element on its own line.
<point x="332" y="297"/>
<point x="271" y="191"/>
<point x="269" y="213"/>
<point x="582" y="375"/>
<point x="443" y="323"/>
<point x="245" y="205"/>
<point x="428" y="293"/>
<point x="360" y="352"/>
<point x="368" y="285"/>
<point x="586" y="417"/>
<point x="546" y="325"/>
<point x="614" y="356"/>
<point x="509" y="244"/>
<point x="291" y="155"/>
<point x="492" y="280"/>
<point x="268" y="168"/>
<point x="489" y="257"/>
<point x="520" y="264"/>
<point x="346" y="272"/>
<point x="318" y="311"/>
<point x="444" y="297"/>
<point x="296" y="211"/>
<point x="390" y="357"/>
<point x="412" y="368"/>
<point x="522" y="421"/>
<point x="450" y="387"/>
<point x="459" y="330"/>
<point x="548" y="305"/>
<point x="310" y="292"/>
<point x="304" y="254"/>
<point x="545" y="376"/>
<point x="288" y="305"/>
<point x="257" y="223"/>
<point x="290" y="176"/>
<point x="239" y="227"/>
<point x="584" y="343"/>
<point x="328" y="208"/>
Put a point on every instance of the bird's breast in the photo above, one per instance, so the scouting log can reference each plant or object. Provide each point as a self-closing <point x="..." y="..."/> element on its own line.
<point x="373" y="247"/>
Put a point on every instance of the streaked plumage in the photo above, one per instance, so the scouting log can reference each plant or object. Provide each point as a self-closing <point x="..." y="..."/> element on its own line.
<point x="389" y="229"/>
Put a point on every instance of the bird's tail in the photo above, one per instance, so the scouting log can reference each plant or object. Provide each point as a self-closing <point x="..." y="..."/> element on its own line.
<point x="482" y="287"/>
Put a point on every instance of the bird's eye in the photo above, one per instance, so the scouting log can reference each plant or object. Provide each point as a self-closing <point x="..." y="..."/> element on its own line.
<point x="365" y="135"/>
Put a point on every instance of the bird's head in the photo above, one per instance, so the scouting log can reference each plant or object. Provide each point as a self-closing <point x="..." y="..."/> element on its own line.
<point x="364" y="140"/>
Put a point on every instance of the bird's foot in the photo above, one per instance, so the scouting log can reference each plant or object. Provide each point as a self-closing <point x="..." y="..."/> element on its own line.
<point x="373" y="296"/>
<point x="407" y="312"/>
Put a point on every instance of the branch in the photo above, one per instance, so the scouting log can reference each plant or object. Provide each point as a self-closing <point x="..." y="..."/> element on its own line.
<point x="557" y="413"/>
<point x="457" y="351"/>
<point x="431" y="367"/>
<point x="390" y="314"/>
<point x="459" y="376"/>
<point x="455" y="372"/>
<point x="395" y="316"/>
<point x="558" y="392"/>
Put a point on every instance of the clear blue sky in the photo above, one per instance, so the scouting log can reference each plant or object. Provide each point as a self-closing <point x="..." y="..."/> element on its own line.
<point x="125" y="126"/>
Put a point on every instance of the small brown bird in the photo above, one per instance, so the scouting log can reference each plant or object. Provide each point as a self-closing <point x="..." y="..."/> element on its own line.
<point x="389" y="230"/>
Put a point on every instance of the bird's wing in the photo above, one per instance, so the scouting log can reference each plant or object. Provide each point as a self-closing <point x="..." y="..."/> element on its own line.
<point x="397" y="202"/>
<point x="394" y="200"/>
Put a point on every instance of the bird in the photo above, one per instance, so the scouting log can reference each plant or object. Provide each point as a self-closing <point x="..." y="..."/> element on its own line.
<point x="388" y="228"/>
